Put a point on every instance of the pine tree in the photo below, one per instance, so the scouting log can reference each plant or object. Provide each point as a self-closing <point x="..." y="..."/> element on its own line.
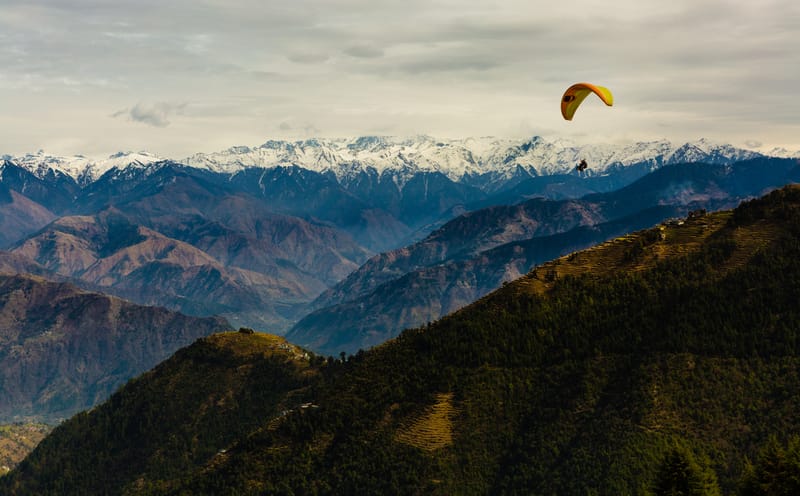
<point x="681" y="475"/>
<point x="776" y="473"/>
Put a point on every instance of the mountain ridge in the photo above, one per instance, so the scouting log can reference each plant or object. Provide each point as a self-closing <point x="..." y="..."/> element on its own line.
<point x="64" y="349"/>
<point x="252" y="281"/>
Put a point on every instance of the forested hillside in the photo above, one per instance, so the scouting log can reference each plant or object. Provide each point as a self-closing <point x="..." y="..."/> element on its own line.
<point x="597" y="373"/>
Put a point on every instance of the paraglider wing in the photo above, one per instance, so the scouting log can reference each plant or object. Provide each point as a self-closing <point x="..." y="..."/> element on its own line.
<point x="577" y="92"/>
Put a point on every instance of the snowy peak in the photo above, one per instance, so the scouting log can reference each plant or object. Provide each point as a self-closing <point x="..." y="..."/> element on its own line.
<point x="41" y="164"/>
<point x="121" y="161"/>
<point x="781" y="152"/>
<point x="80" y="168"/>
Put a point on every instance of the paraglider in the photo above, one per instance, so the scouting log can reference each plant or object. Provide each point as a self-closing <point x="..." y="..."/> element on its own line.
<point x="576" y="93"/>
<point x="582" y="166"/>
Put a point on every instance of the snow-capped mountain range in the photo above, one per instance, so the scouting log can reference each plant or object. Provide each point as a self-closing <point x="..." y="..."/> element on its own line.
<point x="458" y="159"/>
<point x="404" y="157"/>
<point x="83" y="169"/>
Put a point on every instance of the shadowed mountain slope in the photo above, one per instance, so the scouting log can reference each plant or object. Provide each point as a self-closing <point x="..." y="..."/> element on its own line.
<point x="108" y="252"/>
<point x="426" y="294"/>
<point x="19" y="216"/>
<point x="63" y="350"/>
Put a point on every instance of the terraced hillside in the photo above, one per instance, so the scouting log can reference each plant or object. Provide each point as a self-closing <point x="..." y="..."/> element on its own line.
<point x="433" y="429"/>
<point x="641" y="251"/>
<point x="16" y="441"/>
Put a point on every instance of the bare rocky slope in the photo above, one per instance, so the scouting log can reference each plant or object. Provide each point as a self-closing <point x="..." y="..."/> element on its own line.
<point x="62" y="350"/>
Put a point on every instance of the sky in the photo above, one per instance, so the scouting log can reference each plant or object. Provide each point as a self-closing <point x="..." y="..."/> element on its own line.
<point x="177" y="77"/>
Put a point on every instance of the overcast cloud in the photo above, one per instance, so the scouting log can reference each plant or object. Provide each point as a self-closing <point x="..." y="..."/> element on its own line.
<point x="180" y="76"/>
<point x="156" y="114"/>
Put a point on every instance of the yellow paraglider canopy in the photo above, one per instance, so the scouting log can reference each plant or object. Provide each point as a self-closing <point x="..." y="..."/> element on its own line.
<point x="577" y="92"/>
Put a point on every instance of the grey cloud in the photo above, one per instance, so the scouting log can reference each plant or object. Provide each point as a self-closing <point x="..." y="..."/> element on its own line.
<point x="307" y="57"/>
<point x="364" y="51"/>
<point x="751" y="143"/>
<point x="305" y="129"/>
<point x="152" y="114"/>
<point x="449" y="64"/>
<point x="311" y="130"/>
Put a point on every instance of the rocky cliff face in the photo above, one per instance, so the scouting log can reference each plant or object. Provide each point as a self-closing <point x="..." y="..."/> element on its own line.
<point x="63" y="350"/>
